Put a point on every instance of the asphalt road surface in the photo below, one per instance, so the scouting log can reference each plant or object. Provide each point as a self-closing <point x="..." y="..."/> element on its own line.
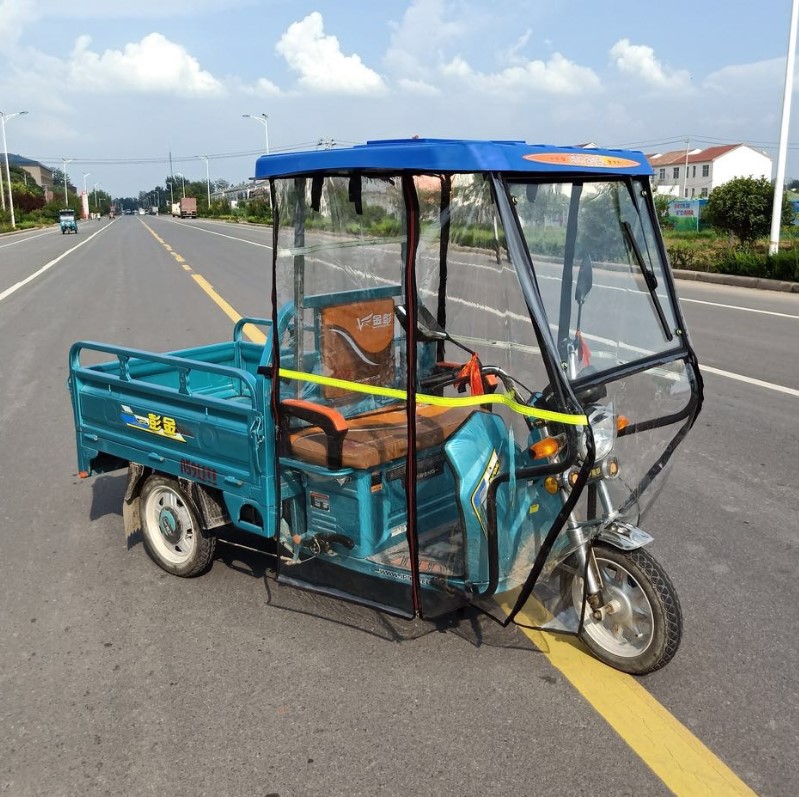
<point x="119" y="679"/>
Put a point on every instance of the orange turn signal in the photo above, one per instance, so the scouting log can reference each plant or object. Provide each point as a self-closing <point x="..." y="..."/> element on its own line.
<point x="547" y="447"/>
<point x="551" y="485"/>
<point x="622" y="422"/>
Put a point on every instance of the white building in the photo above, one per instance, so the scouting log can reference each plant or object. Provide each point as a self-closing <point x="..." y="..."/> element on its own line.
<point x="695" y="173"/>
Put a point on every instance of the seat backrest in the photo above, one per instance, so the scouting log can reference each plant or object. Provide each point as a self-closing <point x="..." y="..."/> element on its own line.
<point x="357" y="344"/>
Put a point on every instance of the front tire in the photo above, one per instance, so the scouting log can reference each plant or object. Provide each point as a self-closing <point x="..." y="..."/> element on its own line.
<point x="173" y="535"/>
<point x="643" y="632"/>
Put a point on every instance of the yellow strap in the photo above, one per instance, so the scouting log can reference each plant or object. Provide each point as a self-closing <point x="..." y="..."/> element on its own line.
<point x="439" y="401"/>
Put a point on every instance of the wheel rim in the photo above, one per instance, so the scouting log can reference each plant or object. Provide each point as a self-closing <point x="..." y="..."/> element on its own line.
<point x="169" y="525"/>
<point x="629" y="630"/>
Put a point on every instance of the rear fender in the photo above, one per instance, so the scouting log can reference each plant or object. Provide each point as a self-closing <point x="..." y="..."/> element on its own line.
<point x="207" y="501"/>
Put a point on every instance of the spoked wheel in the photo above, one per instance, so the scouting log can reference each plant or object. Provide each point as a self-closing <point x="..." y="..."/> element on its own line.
<point x="173" y="535"/>
<point x="641" y="623"/>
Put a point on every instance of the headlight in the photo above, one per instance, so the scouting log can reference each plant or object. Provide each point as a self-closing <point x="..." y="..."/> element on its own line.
<point x="603" y="425"/>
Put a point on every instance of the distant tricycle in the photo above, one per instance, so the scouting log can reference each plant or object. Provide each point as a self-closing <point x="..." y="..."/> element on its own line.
<point x="66" y="218"/>
<point x="468" y="390"/>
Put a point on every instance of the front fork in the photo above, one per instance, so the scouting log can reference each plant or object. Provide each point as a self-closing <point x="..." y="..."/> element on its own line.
<point x="581" y="541"/>
<point x="586" y="561"/>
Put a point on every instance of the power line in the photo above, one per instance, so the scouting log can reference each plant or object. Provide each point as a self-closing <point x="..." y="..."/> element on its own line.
<point x="701" y="139"/>
<point x="164" y="160"/>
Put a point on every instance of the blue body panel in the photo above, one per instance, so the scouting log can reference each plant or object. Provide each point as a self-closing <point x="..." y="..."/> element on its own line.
<point x="200" y="414"/>
<point x="449" y="155"/>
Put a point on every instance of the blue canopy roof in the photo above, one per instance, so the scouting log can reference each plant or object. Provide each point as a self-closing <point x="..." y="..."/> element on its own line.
<point x="454" y="155"/>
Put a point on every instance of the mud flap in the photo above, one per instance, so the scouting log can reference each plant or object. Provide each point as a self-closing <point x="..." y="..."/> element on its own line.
<point x="131" y="515"/>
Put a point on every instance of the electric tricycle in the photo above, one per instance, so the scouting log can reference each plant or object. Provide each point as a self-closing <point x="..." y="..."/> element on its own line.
<point x="468" y="389"/>
<point x="66" y="220"/>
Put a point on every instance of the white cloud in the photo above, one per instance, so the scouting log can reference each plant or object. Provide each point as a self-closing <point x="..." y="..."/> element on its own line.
<point x="154" y="65"/>
<point x="639" y="60"/>
<point x="513" y="54"/>
<point x="420" y="87"/>
<point x="15" y="15"/>
<point x="420" y="36"/>
<point x="558" y="76"/>
<point x="747" y="77"/>
<point x="262" y="88"/>
<point x="457" y="67"/>
<point x="320" y="63"/>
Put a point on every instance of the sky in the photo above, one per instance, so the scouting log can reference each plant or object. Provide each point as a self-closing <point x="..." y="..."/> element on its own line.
<point x="116" y="87"/>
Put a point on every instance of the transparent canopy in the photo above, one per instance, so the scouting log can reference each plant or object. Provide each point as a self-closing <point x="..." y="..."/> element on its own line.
<point x="434" y="331"/>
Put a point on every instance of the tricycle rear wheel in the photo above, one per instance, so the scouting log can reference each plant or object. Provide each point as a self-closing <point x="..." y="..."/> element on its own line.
<point x="643" y="631"/>
<point x="173" y="535"/>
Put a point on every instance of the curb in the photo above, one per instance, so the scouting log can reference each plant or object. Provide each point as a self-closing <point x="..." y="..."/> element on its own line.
<point x="741" y="282"/>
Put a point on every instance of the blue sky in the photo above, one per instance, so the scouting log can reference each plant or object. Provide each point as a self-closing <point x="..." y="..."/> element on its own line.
<point x="116" y="86"/>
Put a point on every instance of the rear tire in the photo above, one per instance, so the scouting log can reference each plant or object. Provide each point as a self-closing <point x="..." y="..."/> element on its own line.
<point x="173" y="535"/>
<point x="644" y="632"/>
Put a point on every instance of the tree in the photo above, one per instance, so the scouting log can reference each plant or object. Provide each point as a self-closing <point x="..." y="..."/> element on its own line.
<point x="743" y="207"/>
<point x="58" y="182"/>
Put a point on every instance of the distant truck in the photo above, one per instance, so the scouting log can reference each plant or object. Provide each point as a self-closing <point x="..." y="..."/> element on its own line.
<point x="112" y="211"/>
<point x="176" y="208"/>
<point x="188" y="207"/>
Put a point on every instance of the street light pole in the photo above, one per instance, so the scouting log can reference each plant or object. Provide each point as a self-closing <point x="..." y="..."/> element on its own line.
<point x="776" y="210"/>
<point x="264" y="120"/>
<point x="66" y="190"/>
<point x="3" y="118"/>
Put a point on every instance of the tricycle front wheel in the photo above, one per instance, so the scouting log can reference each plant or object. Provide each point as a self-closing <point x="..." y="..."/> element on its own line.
<point x="173" y="535"/>
<point x="641" y="624"/>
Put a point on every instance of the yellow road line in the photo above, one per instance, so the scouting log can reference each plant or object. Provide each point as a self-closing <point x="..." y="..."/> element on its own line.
<point x="682" y="762"/>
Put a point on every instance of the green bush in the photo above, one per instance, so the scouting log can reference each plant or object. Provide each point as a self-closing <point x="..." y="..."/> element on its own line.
<point x="785" y="265"/>
<point x="742" y="262"/>
<point x="743" y="206"/>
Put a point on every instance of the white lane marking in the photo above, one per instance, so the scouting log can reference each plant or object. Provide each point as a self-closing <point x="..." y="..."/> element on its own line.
<point x="222" y="235"/>
<point x="29" y="238"/>
<point x="472" y="305"/>
<point x="708" y="369"/>
<point x="743" y="309"/>
<point x="8" y="291"/>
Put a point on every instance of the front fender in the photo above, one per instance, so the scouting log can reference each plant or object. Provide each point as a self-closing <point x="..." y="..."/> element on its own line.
<point x="624" y="536"/>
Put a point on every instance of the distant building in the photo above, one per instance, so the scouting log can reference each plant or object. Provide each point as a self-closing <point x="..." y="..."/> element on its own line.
<point x="41" y="175"/>
<point x="695" y="173"/>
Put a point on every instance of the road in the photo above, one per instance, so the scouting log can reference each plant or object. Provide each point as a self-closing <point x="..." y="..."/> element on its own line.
<point x="119" y="679"/>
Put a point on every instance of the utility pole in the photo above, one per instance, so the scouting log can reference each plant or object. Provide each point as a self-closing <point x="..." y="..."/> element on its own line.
<point x="685" y="176"/>
<point x="207" y="179"/>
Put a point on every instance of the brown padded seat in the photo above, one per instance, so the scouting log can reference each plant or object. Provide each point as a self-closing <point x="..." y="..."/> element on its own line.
<point x="380" y="436"/>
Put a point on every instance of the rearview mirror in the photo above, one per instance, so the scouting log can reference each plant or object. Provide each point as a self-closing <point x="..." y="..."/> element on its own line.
<point x="585" y="280"/>
<point x="427" y="328"/>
